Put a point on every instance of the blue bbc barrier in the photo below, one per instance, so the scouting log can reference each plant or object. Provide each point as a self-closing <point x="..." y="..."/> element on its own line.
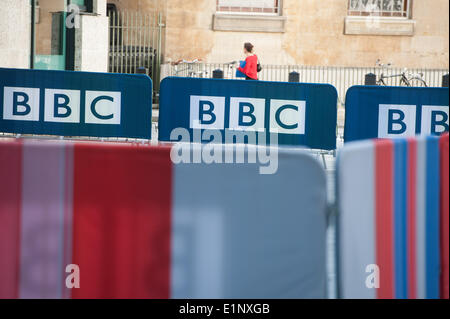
<point x="391" y="112"/>
<point x="300" y="114"/>
<point x="67" y="103"/>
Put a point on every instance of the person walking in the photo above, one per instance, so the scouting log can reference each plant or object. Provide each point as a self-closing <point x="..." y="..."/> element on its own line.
<point x="251" y="63"/>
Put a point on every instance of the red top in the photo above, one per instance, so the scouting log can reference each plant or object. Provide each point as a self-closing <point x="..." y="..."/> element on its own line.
<point x="250" y="68"/>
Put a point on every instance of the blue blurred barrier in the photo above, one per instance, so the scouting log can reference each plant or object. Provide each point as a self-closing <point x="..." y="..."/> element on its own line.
<point x="69" y="103"/>
<point x="296" y="113"/>
<point x="389" y="112"/>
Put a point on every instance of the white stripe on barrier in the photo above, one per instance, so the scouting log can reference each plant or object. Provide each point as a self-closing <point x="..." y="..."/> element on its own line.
<point x="420" y="217"/>
<point x="357" y="219"/>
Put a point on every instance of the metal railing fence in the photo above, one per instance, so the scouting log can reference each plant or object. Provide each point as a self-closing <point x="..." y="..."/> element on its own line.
<point x="135" y="44"/>
<point x="340" y="77"/>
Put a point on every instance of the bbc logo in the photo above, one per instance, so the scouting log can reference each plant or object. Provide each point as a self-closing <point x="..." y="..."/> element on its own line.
<point x="396" y="120"/>
<point x="61" y="106"/>
<point x="247" y="114"/>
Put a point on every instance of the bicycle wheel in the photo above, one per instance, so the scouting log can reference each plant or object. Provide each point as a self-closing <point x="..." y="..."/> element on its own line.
<point x="417" y="83"/>
<point x="404" y="82"/>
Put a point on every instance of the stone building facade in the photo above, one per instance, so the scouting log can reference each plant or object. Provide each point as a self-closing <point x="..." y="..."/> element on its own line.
<point x="50" y="36"/>
<point x="407" y="33"/>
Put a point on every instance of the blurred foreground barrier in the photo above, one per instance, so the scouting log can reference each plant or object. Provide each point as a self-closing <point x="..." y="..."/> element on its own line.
<point x="66" y="103"/>
<point x="388" y="112"/>
<point x="444" y="217"/>
<point x="392" y="223"/>
<point x="138" y="226"/>
<point x="295" y="113"/>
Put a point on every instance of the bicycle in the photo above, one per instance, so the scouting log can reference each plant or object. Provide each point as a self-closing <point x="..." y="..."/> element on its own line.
<point x="190" y="70"/>
<point x="229" y="69"/>
<point x="407" y="78"/>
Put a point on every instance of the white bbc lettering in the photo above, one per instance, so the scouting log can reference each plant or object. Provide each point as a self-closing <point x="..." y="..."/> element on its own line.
<point x="62" y="106"/>
<point x="396" y="120"/>
<point x="247" y="114"/>
<point x="207" y="112"/>
<point x="21" y="104"/>
<point x="287" y="116"/>
<point x="434" y="119"/>
<point x="103" y="107"/>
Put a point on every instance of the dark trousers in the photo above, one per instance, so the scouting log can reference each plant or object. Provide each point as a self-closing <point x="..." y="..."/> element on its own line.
<point x="248" y="78"/>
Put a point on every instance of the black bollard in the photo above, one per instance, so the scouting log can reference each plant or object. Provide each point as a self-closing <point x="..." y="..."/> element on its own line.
<point x="141" y="70"/>
<point x="370" y="79"/>
<point x="294" y="77"/>
<point x="217" y="74"/>
<point x="445" y="81"/>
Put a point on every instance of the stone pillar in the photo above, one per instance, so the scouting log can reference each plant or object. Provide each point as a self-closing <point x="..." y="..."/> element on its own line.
<point x="15" y="34"/>
<point x="92" y="40"/>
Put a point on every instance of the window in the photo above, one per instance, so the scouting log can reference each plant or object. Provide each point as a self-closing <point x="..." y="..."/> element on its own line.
<point x="379" y="17"/>
<point x="382" y="8"/>
<point x="271" y="7"/>
<point x="249" y="16"/>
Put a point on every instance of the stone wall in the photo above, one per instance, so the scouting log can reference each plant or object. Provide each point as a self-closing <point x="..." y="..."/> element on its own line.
<point x="140" y="5"/>
<point x="315" y="36"/>
<point x="15" y="33"/>
<point x="44" y="24"/>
